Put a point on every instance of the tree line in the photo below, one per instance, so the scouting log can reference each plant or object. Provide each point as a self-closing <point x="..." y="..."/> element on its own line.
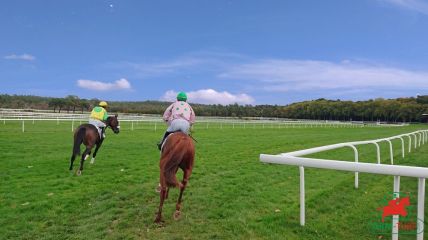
<point x="390" y="110"/>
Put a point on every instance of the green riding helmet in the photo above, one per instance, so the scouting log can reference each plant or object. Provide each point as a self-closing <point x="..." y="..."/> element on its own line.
<point x="181" y="96"/>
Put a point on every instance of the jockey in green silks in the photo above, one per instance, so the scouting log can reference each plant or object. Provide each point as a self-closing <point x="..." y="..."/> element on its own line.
<point x="98" y="116"/>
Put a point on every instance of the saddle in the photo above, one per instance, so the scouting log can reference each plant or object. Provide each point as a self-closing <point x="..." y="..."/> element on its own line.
<point x="164" y="141"/>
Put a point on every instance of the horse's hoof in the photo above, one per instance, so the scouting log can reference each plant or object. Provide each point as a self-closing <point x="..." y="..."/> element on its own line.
<point x="158" y="188"/>
<point x="177" y="215"/>
<point x="92" y="160"/>
<point x="78" y="172"/>
<point x="159" y="221"/>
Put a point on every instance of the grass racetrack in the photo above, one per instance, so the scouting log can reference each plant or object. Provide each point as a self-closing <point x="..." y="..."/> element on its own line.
<point x="231" y="195"/>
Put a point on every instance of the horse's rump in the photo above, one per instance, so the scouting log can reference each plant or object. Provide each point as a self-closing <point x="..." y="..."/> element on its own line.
<point x="179" y="151"/>
<point x="91" y="132"/>
<point x="79" y="135"/>
<point x="91" y="127"/>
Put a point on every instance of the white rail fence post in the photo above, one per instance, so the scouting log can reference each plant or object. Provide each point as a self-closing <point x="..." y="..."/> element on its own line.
<point x="377" y="152"/>
<point x="391" y="151"/>
<point x="402" y="147"/>
<point x="395" y="218"/>
<point x="421" y="207"/>
<point x="416" y="140"/>
<point x="410" y="142"/>
<point x="302" y="195"/>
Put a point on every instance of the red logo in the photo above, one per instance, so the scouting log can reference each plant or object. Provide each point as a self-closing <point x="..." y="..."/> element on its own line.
<point x="395" y="207"/>
<point x="401" y="205"/>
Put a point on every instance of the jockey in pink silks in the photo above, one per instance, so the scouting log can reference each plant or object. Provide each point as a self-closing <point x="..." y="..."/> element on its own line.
<point x="179" y="117"/>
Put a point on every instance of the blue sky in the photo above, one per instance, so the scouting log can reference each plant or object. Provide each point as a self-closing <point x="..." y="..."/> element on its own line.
<point x="249" y="52"/>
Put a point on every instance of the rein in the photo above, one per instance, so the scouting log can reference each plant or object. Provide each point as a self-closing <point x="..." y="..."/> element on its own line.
<point x="193" y="138"/>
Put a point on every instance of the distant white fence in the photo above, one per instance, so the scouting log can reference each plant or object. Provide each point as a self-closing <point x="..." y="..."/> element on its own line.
<point x="419" y="137"/>
<point x="202" y="122"/>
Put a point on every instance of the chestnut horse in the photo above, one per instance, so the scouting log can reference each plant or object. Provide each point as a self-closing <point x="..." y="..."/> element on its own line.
<point x="177" y="152"/>
<point x="89" y="136"/>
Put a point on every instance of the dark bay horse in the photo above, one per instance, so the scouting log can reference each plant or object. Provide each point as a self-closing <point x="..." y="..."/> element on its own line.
<point x="89" y="136"/>
<point x="177" y="152"/>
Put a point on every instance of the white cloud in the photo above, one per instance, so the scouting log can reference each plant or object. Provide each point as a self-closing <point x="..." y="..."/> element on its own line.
<point x="267" y="78"/>
<point x="302" y="75"/>
<point x="193" y="62"/>
<point x="102" y="86"/>
<point x="25" y="57"/>
<point x="211" y="96"/>
<point x="154" y="69"/>
<point x="415" y="5"/>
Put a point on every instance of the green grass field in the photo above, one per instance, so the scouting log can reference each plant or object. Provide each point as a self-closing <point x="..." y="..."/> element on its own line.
<point x="231" y="195"/>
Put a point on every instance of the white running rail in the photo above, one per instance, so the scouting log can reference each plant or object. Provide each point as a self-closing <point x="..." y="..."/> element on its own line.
<point x="419" y="137"/>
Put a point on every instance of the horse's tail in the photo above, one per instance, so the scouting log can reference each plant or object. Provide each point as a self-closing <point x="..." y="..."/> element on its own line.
<point x="78" y="139"/>
<point x="174" y="156"/>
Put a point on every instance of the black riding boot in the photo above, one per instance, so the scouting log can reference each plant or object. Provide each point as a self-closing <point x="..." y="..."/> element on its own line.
<point x="163" y="139"/>
<point x="103" y="135"/>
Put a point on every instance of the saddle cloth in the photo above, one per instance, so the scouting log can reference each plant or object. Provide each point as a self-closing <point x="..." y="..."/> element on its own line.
<point x="98" y="129"/>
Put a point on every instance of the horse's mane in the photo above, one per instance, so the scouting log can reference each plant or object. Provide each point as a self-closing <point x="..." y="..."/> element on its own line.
<point x="108" y="120"/>
<point x="178" y="149"/>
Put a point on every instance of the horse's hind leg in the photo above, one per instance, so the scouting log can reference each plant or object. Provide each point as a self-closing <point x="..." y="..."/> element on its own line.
<point x="72" y="161"/>
<point x="162" y="195"/>
<point x="84" y="156"/>
<point x="183" y="184"/>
